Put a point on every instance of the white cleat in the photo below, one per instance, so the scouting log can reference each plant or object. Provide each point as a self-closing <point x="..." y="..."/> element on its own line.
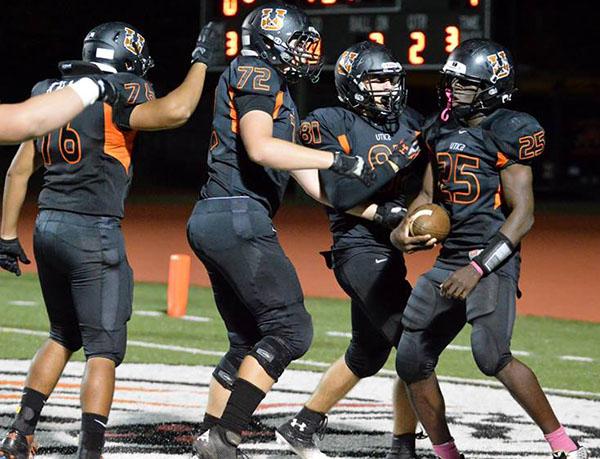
<point x="580" y="453"/>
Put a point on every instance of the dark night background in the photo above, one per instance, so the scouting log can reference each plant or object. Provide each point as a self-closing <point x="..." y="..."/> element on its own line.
<point x="555" y="44"/>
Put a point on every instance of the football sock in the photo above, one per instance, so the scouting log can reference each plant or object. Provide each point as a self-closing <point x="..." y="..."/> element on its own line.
<point x="93" y="428"/>
<point x="245" y="398"/>
<point x="28" y="415"/>
<point x="447" y="450"/>
<point x="311" y="419"/>
<point x="560" y="441"/>
<point x="404" y="442"/>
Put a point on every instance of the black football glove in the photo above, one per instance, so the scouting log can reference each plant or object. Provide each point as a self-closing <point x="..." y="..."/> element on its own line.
<point x="402" y="156"/>
<point x="352" y="166"/>
<point x="207" y="45"/>
<point x="11" y="253"/>
<point x="390" y="214"/>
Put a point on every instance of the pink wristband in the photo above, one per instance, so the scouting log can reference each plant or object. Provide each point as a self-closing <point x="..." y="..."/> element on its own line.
<point x="477" y="267"/>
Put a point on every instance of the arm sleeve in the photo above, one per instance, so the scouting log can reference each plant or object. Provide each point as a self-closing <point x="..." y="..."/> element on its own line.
<point x="326" y="129"/>
<point x="519" y="139"/>
<point x="133" y="91"/>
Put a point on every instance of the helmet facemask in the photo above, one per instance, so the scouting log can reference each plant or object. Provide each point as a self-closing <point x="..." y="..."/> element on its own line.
<point x="300" y="56"/>
<point x="463" y="96"/>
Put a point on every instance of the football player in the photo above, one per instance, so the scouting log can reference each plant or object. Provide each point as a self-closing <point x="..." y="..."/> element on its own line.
<point x="43" y="113"/>
<point x="480" y="172"/>
<point x="255" y="286"/>
<point x="375" y="122"/>
<point x="85" y="277"/>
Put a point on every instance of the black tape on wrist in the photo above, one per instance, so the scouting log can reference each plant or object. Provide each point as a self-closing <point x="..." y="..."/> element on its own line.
<point x="496" y="252"/>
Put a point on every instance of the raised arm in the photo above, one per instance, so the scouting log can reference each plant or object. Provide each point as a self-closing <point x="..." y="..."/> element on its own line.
<point x="46" y="112"/>
<point x="175" y="109"/>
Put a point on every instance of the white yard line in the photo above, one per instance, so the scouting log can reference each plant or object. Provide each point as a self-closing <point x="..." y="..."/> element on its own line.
<point x="22" y="303"/>
<point x="576" y="358"/>
<point x="309" y="363"/>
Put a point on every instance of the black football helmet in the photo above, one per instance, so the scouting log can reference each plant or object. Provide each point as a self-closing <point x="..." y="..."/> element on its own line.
<point x="118" y="45"/>
<point x="283" y="36"/>
<point x="485" y="64"/>
<point x="355" y="71"/>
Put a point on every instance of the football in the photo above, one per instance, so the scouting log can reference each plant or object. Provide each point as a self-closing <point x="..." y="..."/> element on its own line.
<point x="430" y="219"/>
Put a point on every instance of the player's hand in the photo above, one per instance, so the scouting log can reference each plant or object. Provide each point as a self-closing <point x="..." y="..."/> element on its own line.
<point x="460" y="283"/>
<point x="402" y="158"/>
<point x="108" y="92"/>
<point x="403" y="241"/>
<point x="206" y="49"/>
<point x="11" y="253"/>
<point x="389" y="214"/>
<point x="353" y="166"/>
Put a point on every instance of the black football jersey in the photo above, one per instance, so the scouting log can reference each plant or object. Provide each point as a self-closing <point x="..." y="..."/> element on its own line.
<point x="467" y="162"/>
<point x="88" y="161"/>
<point x="339" y="129"/>
<point x="248" y="84"/>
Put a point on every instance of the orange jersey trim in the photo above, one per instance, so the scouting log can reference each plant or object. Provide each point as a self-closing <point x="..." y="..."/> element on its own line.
<point x="278" y="104"/>
<point x="117" y="143"/>
<point x="345" y="144"/>
<point x="501" y="160"/>
<point x="233" y="114"/>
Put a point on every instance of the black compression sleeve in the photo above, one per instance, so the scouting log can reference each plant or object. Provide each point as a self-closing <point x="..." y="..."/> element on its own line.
<point x="249" y="102"/>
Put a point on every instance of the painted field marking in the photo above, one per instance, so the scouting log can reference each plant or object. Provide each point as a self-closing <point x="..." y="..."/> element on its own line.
<point x="22" y="303"/>
<point x="162" y="314"/>
<point x="313" y="363"/>
<point x="575" y="358"/>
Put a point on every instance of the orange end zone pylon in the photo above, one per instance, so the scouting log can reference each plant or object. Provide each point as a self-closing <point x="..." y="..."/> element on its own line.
<point x="179" y="285"/>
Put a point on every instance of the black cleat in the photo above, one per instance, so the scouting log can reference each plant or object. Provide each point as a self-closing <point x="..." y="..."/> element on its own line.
<point x="83" y="453"/>
<point x="15" y="445"/>
<point x="300" y="440"/>
<point x="217" y="443"/>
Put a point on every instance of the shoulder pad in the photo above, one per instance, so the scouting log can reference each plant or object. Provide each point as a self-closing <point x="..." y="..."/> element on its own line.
<point x="326" y="128"/>
<point x="134" y="90"/>
<point x="250" y="75"/>
<point x="518" y="136"/>
<point x="41" y="87"/>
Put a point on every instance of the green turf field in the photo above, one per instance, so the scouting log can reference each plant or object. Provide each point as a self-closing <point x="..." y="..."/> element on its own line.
<point x="545" y="339"/>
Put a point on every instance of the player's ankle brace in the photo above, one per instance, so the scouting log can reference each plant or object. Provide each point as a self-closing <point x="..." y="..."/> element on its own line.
<point x="30" y="409"/>
<point x="93" y="428"/>
<point x="497" y="251"/>
<point x="243" y="401"/>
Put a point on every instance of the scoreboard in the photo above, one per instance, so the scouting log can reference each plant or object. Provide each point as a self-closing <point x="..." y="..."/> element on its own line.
<point x="420" y="33"/>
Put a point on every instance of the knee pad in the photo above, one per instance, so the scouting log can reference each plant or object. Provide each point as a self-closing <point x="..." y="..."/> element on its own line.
<point x="67" y="338"/>
<point x="490" y="355"/>
<point x="299" y="340"/>
<point x="273" y="355"/>
<point x="365" y="362"/>
<point x="226" y="371"/>
<point x="109" y="344"/>
<point x="413" y="361"/>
